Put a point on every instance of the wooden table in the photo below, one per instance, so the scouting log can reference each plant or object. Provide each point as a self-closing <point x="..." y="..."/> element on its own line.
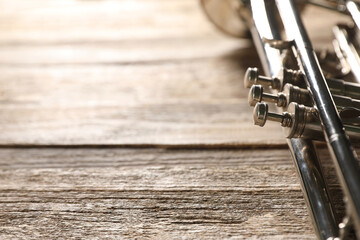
<point x="128" y="120"/>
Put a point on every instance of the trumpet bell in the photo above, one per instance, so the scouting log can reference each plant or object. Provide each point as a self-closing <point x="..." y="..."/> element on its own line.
<point x="225" y="15"/>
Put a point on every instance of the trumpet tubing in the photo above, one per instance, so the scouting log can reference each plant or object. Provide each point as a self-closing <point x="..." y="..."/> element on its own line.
<point x="309" y="106"/>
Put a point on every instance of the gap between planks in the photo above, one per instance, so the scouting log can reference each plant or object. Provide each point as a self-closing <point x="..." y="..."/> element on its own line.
<point x="216" y="146"/>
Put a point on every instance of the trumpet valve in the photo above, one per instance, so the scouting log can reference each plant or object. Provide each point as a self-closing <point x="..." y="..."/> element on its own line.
<point x="256" y="94"/>
<point x="252" y="77"/>
<point x="261" y="114"/>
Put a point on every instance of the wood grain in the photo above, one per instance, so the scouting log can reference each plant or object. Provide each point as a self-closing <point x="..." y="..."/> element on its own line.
<point x="129" y="80"/>
<point x="156" y="88"/>
<point x="137" y="73"/>
<point x="153" y="193"/>
<point x="185" y="103"/>
<point x="111" y="20"/>
<point x="150" y="193"/>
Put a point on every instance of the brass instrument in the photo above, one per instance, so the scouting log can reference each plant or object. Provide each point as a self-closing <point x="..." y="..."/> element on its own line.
<point x="312" y="101"/>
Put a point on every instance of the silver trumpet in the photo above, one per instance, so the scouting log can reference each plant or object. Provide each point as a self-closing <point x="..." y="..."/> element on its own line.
<point x="306" y="88"/>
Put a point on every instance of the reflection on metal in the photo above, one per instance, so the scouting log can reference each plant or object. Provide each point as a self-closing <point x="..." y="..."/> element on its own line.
<point x="354" y="11"/>
<point x="293" y="93"/>
<point x="299" y="121"/>
<point x="310" y="107"/>
<point x="296" y="78"/>
<point x="343" y="154"/>
<point x="349" y="49"/>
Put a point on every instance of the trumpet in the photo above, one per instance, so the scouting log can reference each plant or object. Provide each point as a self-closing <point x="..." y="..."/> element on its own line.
<point x="317" y="98"/>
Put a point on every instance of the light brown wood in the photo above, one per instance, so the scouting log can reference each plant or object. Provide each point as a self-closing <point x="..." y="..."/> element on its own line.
<point x="152" y="89"/>
<point x="87" y="21"/>
<point x="185" y="103"/>
<point x="159" y="193"/>
<point x="133" y="123"/>
<point x="150" y="193"/>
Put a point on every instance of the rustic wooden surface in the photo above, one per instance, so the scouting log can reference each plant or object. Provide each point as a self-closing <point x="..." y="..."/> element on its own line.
<point x="128" y="119"/>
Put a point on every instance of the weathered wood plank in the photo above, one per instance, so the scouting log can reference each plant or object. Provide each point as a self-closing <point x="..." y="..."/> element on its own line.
<point x="183" y="89"/>
<point x="30" y="48"/>
<point x="79" y="21"/>
<point x="135" y="72"/>
<point x="109" y="214"/>
<point x="158" y="193"/>
<point x="150" y="193"/>
<point x="172" y="95"/>
<point x="142" y="51"/>
<point x="35" y="21"/>
<point x="80" y="157"/>
<point x="187" y="102"/>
